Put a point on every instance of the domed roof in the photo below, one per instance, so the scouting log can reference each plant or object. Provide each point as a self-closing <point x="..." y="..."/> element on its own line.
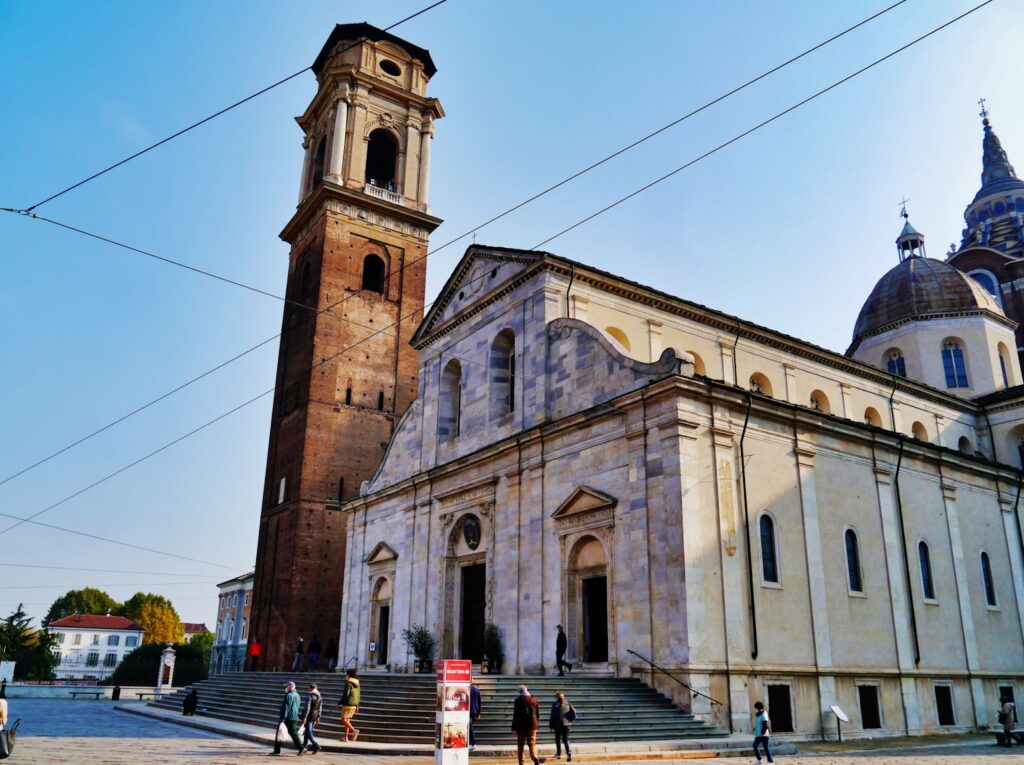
<point x="921" y="288"/>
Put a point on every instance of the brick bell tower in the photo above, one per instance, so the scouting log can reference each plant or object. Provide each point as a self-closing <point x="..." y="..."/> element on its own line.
<point x="358" y="241"/>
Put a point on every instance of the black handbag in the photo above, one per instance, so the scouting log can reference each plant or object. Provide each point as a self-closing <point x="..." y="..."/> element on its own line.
<point x="7" y="737"/>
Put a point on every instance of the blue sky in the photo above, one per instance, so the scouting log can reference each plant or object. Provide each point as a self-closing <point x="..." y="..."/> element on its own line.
<point x="790" y="227"/>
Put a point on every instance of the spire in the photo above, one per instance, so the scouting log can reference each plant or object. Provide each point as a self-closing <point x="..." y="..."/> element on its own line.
<point x="910" y="242"/>
<point x="997" y="174"/>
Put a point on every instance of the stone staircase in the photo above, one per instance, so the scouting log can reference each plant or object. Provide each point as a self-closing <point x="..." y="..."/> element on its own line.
<point x="400" y="708"/>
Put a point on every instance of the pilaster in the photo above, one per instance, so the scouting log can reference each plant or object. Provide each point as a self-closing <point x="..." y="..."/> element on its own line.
<point x="654" y="339"/>
<point x="1009" y="512"/>
<point x="789" y="371"/>
<point x="728" y="369"/>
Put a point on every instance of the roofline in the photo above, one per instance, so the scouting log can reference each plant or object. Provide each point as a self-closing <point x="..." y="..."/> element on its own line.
<point x="241" y="578"/>
<point x="364" y="30"/>
<point x="982" y="312"/>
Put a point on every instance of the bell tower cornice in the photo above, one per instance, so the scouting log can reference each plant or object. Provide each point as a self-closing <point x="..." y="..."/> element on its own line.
<point x="350" y="82"/>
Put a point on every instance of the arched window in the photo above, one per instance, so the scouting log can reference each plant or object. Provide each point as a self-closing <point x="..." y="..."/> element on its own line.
<point x="919" y="431"/>
<point x="987" y="280"/>
<point x="925" y="559"/>
<point x="965" y="446"/>
<point x="316" y="168"/>
<point x="853" y="561"/>
<point x="895" y="362"/>
<point x="373" y="274"/>
<point x="760" y="384"/>
<point x="698" y="364"/>
<point x="769" y="550"/>
<point x="503" y="374"/>
<point x="953" y="364"/>
<point x="872" y="417"/>
<point x="381" y="159"/>
<point x="986" y="578"/>
<point x="450" y="402"/>
<point x="620" y="337"/>
<point x="819" y="401"/>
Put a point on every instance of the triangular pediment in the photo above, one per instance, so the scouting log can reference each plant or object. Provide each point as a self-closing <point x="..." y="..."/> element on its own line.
<point x="479" y="274"/>
<point x="582" y="500"/>
<point x="381" y="554"/>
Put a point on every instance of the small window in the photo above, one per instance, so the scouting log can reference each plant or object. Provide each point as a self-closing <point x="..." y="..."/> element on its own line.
<point x="131" y="641"/>
<point x="853" y="561"/>
<point x="373" y="274"/>
<point x="449" y="402"/>
<point x="95" y="640"/>
<point x="760" y="384"/>
<point x="390" y="67"/>
<point x="895" y="362"/>
<point x="819" y="402"/>
<point x="60" y="638"/>
<point x="245" y="628"/>
<point x="503" y="374"/>
<point x="110" y="660"/>
<point x="282" y="490"/>
<point x="925" y="559"/>
<point x="919" y="431"/>
<point x="872" y="417"/>
<point x="348" y="394"/>
<point x="870" y="711"/>
<point x="248" y="597"/>
<point x="987" y="280"/>
<point x="380" y="401"/>
<point x="965" y="446"/>
<point x="986" y="578"/>
<point x="113" y="639"/>
<point x="953" y="364"/>
<point x="341" y="493"/>
<point x="944" y="705"/>
<point x="76" y="639"/>
<point x="769" y="551"/>
<point x="92" y="660"/>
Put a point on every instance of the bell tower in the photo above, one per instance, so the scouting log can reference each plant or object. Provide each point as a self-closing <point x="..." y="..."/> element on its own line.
<point x="356" y="280"/>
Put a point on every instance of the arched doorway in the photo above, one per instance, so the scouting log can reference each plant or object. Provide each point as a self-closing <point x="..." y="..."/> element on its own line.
<point x="380" y="623"/>
<point x="587" y="587"/>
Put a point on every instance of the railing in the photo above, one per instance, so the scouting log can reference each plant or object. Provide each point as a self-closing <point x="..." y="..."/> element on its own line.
<point x="382" y="193"/>
<point x="354" y="661"/>
<point x="669" y="674"/>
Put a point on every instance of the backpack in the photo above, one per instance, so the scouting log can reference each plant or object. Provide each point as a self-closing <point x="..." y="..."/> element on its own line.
<point x="571" y="714"/>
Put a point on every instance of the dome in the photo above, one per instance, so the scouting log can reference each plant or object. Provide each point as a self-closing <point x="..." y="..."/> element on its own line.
<point x="921" y="288"/>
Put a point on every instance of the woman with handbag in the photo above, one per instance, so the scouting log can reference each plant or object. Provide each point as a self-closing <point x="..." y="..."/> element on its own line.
<point x="6" y="734"/>
<point x="562" y="715"/>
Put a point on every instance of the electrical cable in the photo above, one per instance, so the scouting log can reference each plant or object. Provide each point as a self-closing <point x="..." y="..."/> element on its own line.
<point x="458" y="238"/>
<point x="213" y="116"/>
<point x="97" y="570"/>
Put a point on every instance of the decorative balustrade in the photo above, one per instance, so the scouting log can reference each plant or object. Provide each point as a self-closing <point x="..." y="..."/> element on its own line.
<point x="382" y="193"/>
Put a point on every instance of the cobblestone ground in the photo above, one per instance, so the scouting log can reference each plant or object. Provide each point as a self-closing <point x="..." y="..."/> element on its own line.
<point x="93" y="733"/>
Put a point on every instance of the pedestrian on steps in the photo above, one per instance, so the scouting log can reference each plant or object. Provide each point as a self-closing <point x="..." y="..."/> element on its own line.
<point x="188" y="706"/>
<point x="351" y="697"/>
<point x="561" y="718"/>
<point x="525" y="721"/>
<point x="255" y="649"/>
<point x="289" y="717"/>
<point x="762" y="731"/>
<point x="300" y="651"/>
<point x="474" y="714"/>
<point x="561" y="643"/>
<point x="314" y="705"/>
<point x="314" y="653"/>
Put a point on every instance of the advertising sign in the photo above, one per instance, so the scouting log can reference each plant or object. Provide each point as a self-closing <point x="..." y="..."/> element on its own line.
<point x="452" y="736"/>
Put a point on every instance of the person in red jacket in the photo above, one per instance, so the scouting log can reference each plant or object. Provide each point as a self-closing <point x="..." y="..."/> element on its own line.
<point x="255" y="651"/>
<point x="525" y="720"/>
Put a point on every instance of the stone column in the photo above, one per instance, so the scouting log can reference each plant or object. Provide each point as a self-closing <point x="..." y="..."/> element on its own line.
<point x="426" y="135"/>
<point x="963" y="596"/>
<point x="898" y="596"/>
<point x="305" y="169"/>
<point x="335" y="169"/>
<point x="1016" y="562"/>
<point x="816" y="578"/>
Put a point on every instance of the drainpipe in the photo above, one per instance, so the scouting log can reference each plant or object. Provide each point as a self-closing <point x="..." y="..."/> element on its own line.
<point x="572" y="278"/>
<point x="746" y="522"/>
<point x="906" y="561"/>
<point x="892" y="410"/>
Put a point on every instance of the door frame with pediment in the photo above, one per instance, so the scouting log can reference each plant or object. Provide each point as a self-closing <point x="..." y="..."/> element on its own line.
<point x="456" y="556"/>
<point x="586" y="514"/>
<point x="381" y="564"/>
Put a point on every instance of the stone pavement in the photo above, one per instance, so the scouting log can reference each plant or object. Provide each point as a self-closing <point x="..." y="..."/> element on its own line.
<point x="79" y="732"/>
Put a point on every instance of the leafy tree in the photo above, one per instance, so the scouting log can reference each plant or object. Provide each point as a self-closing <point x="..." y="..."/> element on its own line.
<point x="31" y="650"/>
<point x="156" y="615"/>
<point x="203" y="642"/>
<point x="87" y="601"/>
<point x="14" y="634"/>
<point x="142" y="665"/>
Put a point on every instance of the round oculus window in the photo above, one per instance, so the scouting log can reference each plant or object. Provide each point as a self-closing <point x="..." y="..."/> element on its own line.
<point x="471" y="532"/>
<point x="390" y="67"/>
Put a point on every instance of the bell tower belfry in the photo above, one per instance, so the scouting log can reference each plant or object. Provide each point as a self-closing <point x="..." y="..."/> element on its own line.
<point x="356" y="281"/>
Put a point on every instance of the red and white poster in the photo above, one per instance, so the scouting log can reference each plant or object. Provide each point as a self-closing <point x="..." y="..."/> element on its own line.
<point x="454" y="677"/>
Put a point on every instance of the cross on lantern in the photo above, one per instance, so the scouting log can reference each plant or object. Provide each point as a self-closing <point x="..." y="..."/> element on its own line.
<point x="984" y="112"/>
<point x="903" y="208"/>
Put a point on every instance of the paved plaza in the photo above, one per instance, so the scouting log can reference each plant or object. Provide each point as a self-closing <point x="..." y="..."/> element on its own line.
<point x="57" y="731"/>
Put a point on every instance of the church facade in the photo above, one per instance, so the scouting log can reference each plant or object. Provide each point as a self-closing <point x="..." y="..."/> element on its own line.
<point x="764" y="518"/>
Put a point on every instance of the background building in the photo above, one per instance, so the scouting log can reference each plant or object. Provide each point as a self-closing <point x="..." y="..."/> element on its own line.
<point x="90" y="647"/>
<point x="192" y="629"/>
<point x="234" y="605"/>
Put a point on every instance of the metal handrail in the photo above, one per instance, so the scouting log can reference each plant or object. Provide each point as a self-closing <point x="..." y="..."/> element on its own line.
<point x="354" y="661"/>
<point x="669" y="674"/>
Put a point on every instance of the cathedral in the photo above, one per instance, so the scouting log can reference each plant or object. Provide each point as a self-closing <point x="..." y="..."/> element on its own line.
<point x="552" y="444"/>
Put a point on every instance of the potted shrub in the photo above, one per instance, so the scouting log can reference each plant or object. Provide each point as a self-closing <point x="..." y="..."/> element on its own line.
<point x="494" y="648"/>
<point x="421" y="642"/>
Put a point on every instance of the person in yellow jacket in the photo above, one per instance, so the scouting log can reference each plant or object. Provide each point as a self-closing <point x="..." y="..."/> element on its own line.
<point x="350" y="704"/>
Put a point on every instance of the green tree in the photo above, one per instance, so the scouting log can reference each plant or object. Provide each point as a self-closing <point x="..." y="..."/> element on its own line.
<point x="14" y="634"/>
<point x="156" y="615"/>
<point x="142" y="665"/>
<point x="203" y="642"/>
<point x="87" y="601"/>
<point x="30" y="650"/>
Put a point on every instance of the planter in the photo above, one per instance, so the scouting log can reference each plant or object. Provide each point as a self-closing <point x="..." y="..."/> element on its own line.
<point x="419" y="666"/>
<point x="490" y="666"/>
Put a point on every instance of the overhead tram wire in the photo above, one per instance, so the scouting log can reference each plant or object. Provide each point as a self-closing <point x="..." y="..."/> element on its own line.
<point x="213" y="116"/>
<point x="749" y="131"/>
<point x="398" y="271"/>
<point x="78" y="585"/>
<point x="98" y="570"/>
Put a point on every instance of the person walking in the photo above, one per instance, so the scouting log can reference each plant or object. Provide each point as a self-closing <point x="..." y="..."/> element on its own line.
<point x="314" y="705"/>
<point x="561" y="643"/>
<point x="350" y="704"/>
<point x="255" y="650"/>
<point x="1005" y="717"/>
<point x="314" y="653"/>
<point x="332" y="654"/>
<point x="562" y="716"/>
<point x="762" y="731"/>
<point x="525" y="720"/>
<point x="289" y="716"/>
<point x="474" y="714"/>
<point x="188" y="706"/>
<point x="300" y="651"/>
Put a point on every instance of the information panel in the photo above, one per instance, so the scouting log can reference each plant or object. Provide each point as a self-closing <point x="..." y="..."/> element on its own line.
<point x="452" y="736"/>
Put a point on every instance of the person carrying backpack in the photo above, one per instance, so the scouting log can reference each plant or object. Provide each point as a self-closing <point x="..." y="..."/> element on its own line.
<point x="525" y="721"/>
<point x="562" y="716"/>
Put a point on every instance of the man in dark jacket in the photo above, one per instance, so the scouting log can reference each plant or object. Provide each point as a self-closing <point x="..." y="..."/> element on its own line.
<point x="561" y="643"/>
<point x="561" y="717"/>
<point x="289" y="715"/>
<point x="474" y="713"/>
<point x="314" y="704"/>
<point x="300" y="651"/>
<point x="525" y="719"/>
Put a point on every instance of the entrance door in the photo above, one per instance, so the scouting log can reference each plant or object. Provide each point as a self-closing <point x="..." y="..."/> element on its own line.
<point x="474" y="603"/>
<point x="780" y="710"/>
<point x="383" y="629"/>
<point x="595" y="619"/>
